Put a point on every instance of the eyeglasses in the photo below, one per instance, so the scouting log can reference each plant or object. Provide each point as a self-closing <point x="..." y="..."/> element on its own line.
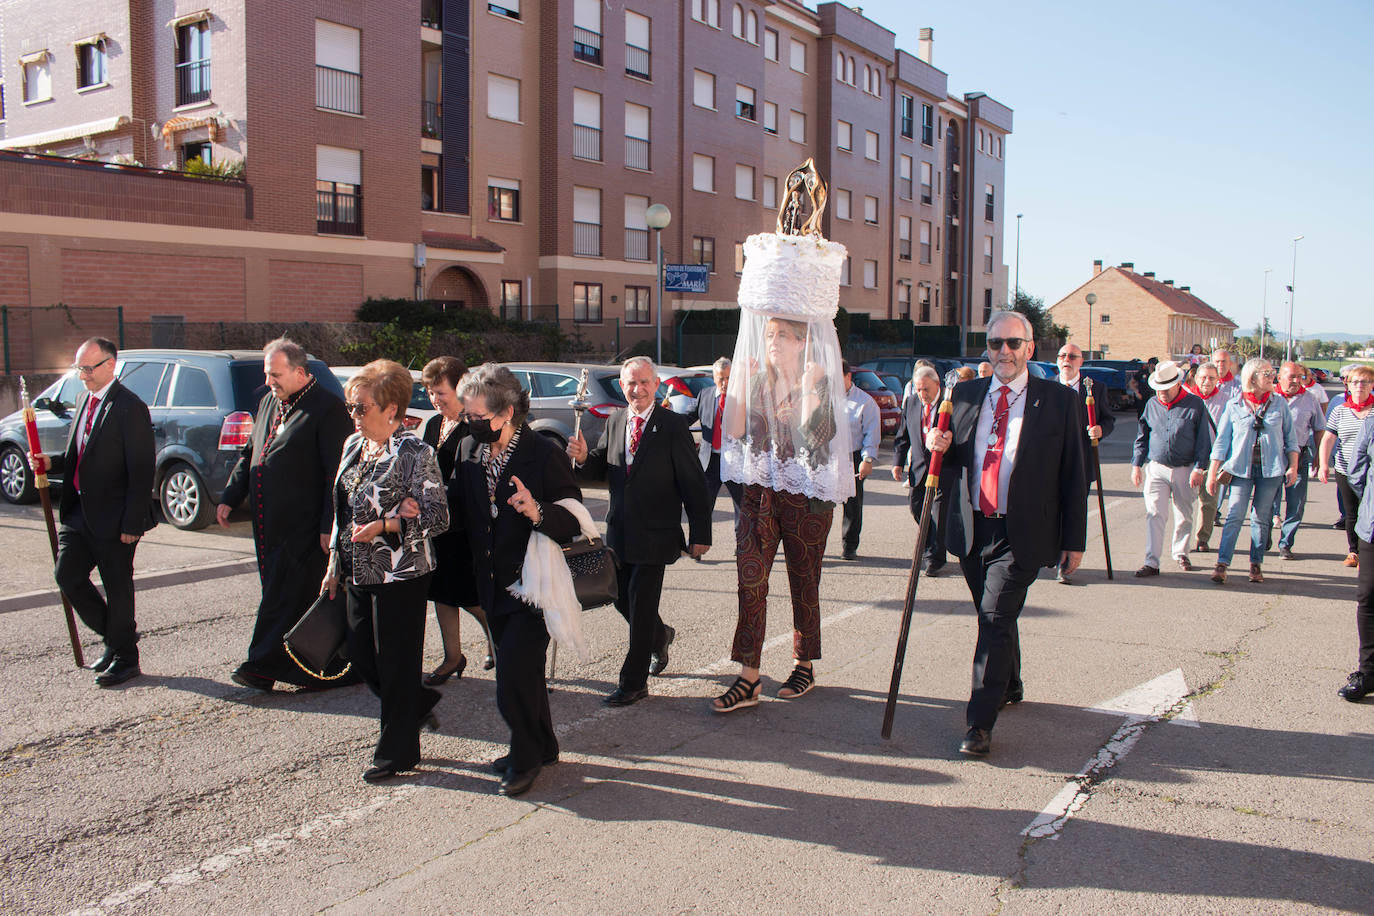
<point x="473" y="418"/>
<point x="1073" y="358"/>
<point x="357" y="408"/>
<point x="1013" y="343"/>
<point x="87" y="370"/>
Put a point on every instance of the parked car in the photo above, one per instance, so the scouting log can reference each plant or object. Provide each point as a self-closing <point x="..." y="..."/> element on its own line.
<point x="552" y="386"/>
<point x="202" y="404"/>
<point x="893" y="383"/>
<point x="904" y="366"/>
<point x="889" y="404"/>
<point x="1321" y="375"/>
<point x="678" y="388"/>
<point x="420" y="408"/>
<point x="1050" y="370"/>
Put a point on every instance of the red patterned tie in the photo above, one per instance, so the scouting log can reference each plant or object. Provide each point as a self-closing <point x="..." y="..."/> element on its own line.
<point x="925" y="418"/>
<point x="720" y="422"/>
<point x="635" y="434"/>
<point x="992" y="461"/>
<point x="91" y="407"/>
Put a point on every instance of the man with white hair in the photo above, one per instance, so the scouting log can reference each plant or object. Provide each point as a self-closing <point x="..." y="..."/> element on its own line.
<point x="1309" y="423"/>
<point x="912" y="460"/>
<point x="710" y="410"/>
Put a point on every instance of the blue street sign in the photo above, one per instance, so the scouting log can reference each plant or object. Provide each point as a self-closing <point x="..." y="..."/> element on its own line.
<point x="686" y="278"/>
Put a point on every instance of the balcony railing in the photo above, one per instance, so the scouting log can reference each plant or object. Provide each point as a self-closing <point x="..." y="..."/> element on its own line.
<point x="502" y="9"/>
<point x="989" y="213"/>
<point x="925" y="252"/>
<point x="904" y="188"/>
<point x="637" y="61"/>
<point x="339" y="212"/>
<point x="587" y="142"/>
<point x="338" y="90"/>
<point x="636" y="153"/>
<point x="587" y="239"/>
<point x="193" y="81"/>
<point x="925" y="194"/>
<point x="904" y="249"/>
<point x="431" y="118"/>
<point x="636" y="244"/>
<point x="586" y="45"/>
<point x="928" y="134"/>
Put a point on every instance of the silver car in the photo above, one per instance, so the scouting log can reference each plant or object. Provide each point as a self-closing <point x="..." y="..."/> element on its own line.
<point x="552" y="386"/>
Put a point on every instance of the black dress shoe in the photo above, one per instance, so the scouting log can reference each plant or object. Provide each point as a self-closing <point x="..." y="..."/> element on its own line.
<point x="488" y="663"/>
<point x="850" y="553"/>
<point x="1013" y="696"/>
<point x="977" y="742"/>
<point x="430" y="722"/>
<point x="513" y="783"/>
<point x="118" y="672"/>
<point x="933" y="569"/>
<point x="658" y="661"/>
<point x="1357" y="687"/>
<point x="439" y="675"/>
<point x="501" y="764"/>
<point x="104" y="661"/>
<point x="246" y="678"/>
<point x="377" y="774"/>
<point x="623" y="697"/>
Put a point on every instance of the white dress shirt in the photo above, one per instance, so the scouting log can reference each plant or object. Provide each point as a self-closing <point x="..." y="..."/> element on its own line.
<point x="630" y="429"/>
<point x="988" y="410"/>
<point x="81" y="429"/>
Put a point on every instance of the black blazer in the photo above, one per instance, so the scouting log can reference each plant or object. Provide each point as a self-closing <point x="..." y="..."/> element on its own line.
<point x="910" y="444"/>
<point x="498" y="545"/>
<point x="117" y="466"/>
<point x="1104" y="413"/>
<point x="447" y="456"/>
<point x="298" y="467"/>
<point x="1046" y="511"/>
<point x="644" y="522"/>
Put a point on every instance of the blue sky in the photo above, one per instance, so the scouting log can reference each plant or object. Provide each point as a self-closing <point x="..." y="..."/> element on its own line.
<point x="1195" y="139"/>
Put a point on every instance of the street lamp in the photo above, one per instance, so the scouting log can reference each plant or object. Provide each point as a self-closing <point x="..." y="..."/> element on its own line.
<point x="1018" y="260"/>
<point x="1264" y="310"/>
<point x="658" y="217"/>
<point x="1091" y="299"/>
<point x="1293" y="282"/>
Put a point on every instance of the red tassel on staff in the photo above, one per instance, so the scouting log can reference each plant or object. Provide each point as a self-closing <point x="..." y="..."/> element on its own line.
<point x="1097" y="473"/>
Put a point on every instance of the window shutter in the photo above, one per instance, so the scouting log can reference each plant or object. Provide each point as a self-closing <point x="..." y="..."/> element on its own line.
<point x="587" y="205"/>
<point x="636" y="30"/>
<point x="635" y="209"/>
<point x="338" y="46"/>
<point x="333" y="163"/>
<point x="457" y="85"/>
<point x="587" y="15"/>
<point x="636" y="121"/>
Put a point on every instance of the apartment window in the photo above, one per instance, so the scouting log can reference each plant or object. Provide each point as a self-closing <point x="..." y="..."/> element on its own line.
<point x="503" y="98"/>
<point x="508" y="8"/>
<point x="503" y="199"/>
<point x="925" y="241"/>
<point x="200" y="149"/>
<point x="770" y="117"/>
<point x="636" y="136"/>
<point x="927" y="171"/>
<point x="744" y="103"/>
<point x="707" y="11"/>
<point x="2" y="103"/>
<point x="587" y="125"/>
<point x="839" y="66"/>
<point x="636" y="228"/>
<point x="927" y="124"/>
<point x="908" y="117"/>
<point x="849" y="71"/>
<point x="989" y="203"/>
<point x="91" y="63"/>
<point x="37" y="78"/>
<point x="870" y="274"/>
<point x="587" y="223"/>
<point x="193" y="62"/>
<point x="744" y="182"/>
<point x="871" y="145"/>
<point x="636" y="305"/>
<point x="704" y="89"/>
<point x="987" y="254"/>
<point x="987" y="306"/>
<point x="511" y="300"/>
<point x="739" y="258"/>
<point x="868" y="79"/>
<point x="637" y="54"/>
<point x="904" y="176"/>
<point x="842" y="210"/>
<point x="737" y="21"/>
<point x="796" y="129"/>
<point x="923" y="300"/>
<point x="704" y="251"/>
<point x="770" y="44"/>
<point x="797" y="55"/>
<point x="871" y="210"/>
<point x="770" y="192"/>
<point x="587" y="302"/>
<point x="338" y="68"/>
<point x="431" y="193"/>
<point x="587" y="31"/>
<point x="904" y="238"/>
<point x="903" y="298"/>
<point x="703" y="173"/>
<point x="338" y="190"/>
<point x="1106" y="318"/>
<point x="844" y="135"/>
<point x="844" y="272"/>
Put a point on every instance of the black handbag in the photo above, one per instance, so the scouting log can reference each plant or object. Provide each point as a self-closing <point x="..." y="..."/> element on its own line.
<point x="318" y="638"/>
<point x="593" y="566"/>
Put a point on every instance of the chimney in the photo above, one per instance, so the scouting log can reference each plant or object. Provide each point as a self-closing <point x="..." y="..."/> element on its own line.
<point x="1128" y="265"/>
<point x="1097" y="268"/>
<point x="925" y="48"/>
<point x="1168" y="282"/>
<point x="1148" y="275"/>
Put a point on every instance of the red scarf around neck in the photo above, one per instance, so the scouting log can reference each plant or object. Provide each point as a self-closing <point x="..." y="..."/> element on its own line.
<point x="1226" y="378"/>
<point x="1289" y="397"/>
<point x="1361" y="405"/>
<point x="1182" y="393"/>
<point x="1194" y="389"/>
<point x="1257" y="400"/>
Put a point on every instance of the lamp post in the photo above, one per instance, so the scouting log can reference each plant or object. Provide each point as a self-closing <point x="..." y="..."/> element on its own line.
<point x="1292" y="282"/>
<point x="1091" y="299"/>
<point x="658" y="217"/>
<point x="1018" y="260"/>
<point x="1264" y="310"/>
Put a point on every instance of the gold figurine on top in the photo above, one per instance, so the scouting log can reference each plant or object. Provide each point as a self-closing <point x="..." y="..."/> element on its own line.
<point x="804" y="178"/>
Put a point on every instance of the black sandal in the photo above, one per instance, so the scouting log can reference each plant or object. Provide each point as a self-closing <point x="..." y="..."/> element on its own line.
<point x="742" y="693"/>
<point x="800" y="681"/>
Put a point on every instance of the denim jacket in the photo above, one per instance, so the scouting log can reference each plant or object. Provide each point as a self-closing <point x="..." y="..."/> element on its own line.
<point x="1359" y="479"/>
<point x="1236" y="438"/>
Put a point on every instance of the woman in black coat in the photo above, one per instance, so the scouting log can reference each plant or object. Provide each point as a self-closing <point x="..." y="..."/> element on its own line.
<point x="511" y="479"/>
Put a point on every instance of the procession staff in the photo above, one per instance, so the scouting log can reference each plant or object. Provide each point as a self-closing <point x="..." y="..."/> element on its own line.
<point x="1097" y="423"/>
<point x="911" y="459"/>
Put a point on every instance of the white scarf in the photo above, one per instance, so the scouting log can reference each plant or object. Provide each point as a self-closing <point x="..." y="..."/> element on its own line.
<point x="546" y="583"/>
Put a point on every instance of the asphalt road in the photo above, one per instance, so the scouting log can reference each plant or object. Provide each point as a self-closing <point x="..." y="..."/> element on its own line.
<point x="1181" y="749"/>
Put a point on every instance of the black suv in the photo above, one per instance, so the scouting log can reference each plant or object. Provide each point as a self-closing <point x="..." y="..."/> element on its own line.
<point x="202" y="404"/>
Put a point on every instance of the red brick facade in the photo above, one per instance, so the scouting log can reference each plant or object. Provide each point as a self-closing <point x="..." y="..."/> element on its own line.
<point x="144" y="285"/>
<point x="306" y="291"/>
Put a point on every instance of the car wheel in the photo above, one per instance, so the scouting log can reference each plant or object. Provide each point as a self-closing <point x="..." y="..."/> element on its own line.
<point x="184" y="501"/>
<point x="16" y="479"/>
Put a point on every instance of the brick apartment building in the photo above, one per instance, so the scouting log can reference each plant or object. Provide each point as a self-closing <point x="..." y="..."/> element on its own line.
<point x="539" y="134"/>
<point x="1137" y="316"/>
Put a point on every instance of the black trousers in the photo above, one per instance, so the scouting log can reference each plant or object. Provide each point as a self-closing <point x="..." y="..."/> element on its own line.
<point x="522" y="694"/>
<point x="1364" y="607"/>
<point x="641" y="584"/>
<point x="386" y="636"/>
<point x="852" y="522"/>
<point x="934" y="550"/>
<point x="112" y="617"/>
<point x="998" y="585"/>
<point x="290" y="575"/>
<point x="713" y="484"/>
<point x="1351" y="511"/>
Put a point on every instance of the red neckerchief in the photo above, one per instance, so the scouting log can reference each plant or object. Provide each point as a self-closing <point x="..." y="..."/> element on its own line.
<point x="1258" y="401"/>
<point x="1289" y="397"/>
<point x="1182" y="393"/>
<point x="1310" y="385"/>
<point x="1194" y="389"/>
<point x="1225" y="378"/>
<point x="1364" y="405"/>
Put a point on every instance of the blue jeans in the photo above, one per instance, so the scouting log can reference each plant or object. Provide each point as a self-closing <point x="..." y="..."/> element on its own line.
<point x="1296" y="499"/>
<point x="1246" y="491"/>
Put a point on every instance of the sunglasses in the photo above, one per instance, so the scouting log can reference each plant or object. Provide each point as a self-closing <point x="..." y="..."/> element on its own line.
<point x="357" y="408"/>
<point x="87" y="370"/>
<point x="1071" y="357"/>
<point x="1013" y="343"/>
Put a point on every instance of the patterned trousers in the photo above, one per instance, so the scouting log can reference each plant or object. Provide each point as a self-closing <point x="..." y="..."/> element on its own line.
<point x="765" y="518"/>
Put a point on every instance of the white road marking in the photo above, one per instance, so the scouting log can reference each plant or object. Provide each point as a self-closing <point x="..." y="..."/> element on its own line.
<point x="1157" y="700"/>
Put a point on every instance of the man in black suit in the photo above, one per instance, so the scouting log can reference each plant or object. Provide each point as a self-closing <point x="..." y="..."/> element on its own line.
<point x="710" y="410"/>
<point x="911" y="462"/>
<point x="286" y="473"/>
<point x="106" y="506"/>
<point x="1070" y="362"/>
<point x="646" y="456"/>
<point x="1018" y="441"/>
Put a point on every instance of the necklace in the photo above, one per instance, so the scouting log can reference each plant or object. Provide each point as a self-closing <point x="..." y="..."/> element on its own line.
<point x="446" y="428"/>
<point x="285" y="408"/>
<point x="495" y="464"/>
<point x="1011" y="402"/>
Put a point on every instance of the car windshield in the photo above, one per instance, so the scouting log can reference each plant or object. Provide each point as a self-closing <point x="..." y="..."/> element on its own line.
<point x="611" y="382"/>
